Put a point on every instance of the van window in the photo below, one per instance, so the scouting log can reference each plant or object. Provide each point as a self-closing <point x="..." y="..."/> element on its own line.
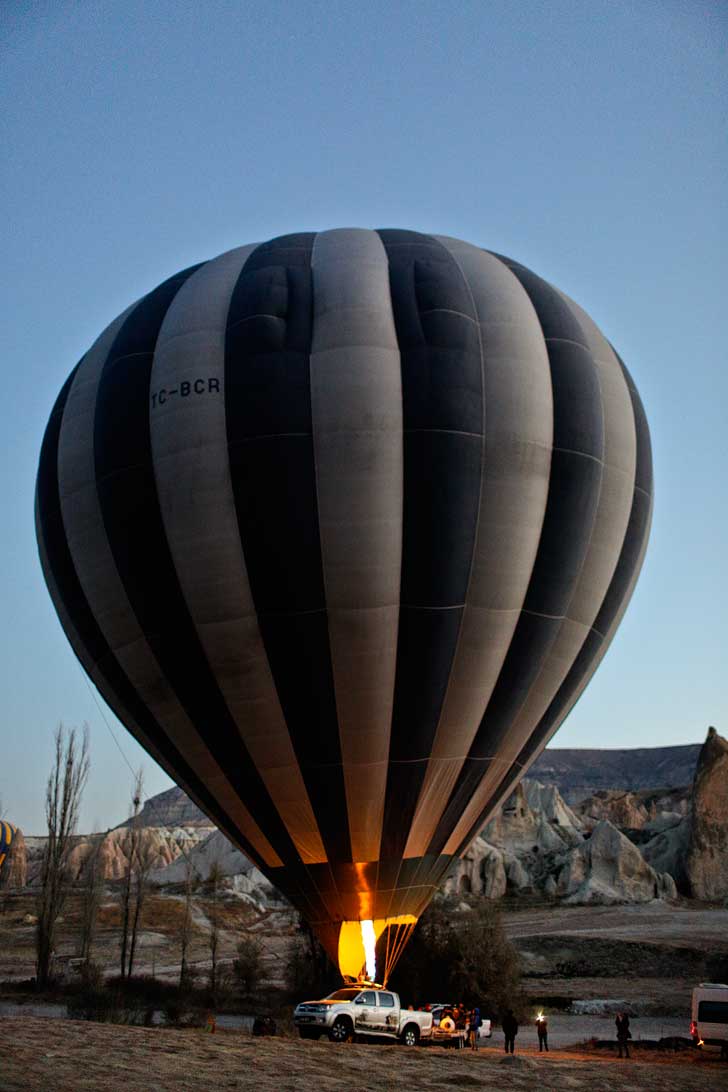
<point x="386" y="1001"/>
<point x="713" y="1012"/>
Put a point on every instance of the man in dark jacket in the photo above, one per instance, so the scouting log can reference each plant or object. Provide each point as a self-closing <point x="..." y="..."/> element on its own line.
<point x="623" y="1033"/>
<point x="542" y="1027"/>
<point x="474" y="1024"/>
<point x="510" y="1031"/>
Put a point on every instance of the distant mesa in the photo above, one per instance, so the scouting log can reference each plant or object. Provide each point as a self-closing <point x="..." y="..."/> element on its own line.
<point x="578" y="772"/>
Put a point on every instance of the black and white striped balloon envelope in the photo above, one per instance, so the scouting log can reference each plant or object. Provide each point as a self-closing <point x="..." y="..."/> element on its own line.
<point x="340" y="525"/>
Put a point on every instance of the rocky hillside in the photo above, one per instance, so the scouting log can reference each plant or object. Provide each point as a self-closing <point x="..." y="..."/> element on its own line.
<point x="580" y="773"/>
<point x="537" y="845"/>
<point x="707" y="859"/>
<point x="171" y="808"/>
<point x="614" y="845"/>
<point x="160" y="847"/>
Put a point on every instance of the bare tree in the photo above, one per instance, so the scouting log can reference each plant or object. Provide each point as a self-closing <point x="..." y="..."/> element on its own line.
<point x="214" y="890"/>
<point x="131" y="850"/>
<point x="141" y="869"/>
<point x="186" y="929"/>
<point x="64" y="790"/>
<point x="91" y="887"/>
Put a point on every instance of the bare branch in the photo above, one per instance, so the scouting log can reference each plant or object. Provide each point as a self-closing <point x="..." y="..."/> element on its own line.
<point x="64" y="791"/>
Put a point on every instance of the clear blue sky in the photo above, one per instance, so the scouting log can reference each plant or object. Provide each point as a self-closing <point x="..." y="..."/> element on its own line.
<point x="587" y="140"/>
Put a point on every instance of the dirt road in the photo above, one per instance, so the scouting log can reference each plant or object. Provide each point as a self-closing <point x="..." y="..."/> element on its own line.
<point x="70" y="1056"/>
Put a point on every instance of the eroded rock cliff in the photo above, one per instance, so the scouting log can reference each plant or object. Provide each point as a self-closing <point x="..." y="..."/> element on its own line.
<point x="707" y="857"/>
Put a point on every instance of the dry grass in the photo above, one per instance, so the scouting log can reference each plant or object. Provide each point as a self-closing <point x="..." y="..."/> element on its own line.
<point x="67" y="1056"/>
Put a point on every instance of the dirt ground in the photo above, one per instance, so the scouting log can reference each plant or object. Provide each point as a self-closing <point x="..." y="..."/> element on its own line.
<point x="39" y="1055"/>
<point x="650" y="955"/>
<point x="683" y="924"/>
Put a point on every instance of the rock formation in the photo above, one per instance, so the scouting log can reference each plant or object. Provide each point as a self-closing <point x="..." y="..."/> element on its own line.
<point x="535" y="819"/>
<point x="707" y="857"/>
<point x="538" y="844"/>
<point x="608" y="868"/>
<point x="480" y="872"/>
<point x="666" y="851"/>
<point x="159" y="846"/>
<point x="241" y="874"/>
<point x="171" y="808"/>
<point x="645" y="809"/>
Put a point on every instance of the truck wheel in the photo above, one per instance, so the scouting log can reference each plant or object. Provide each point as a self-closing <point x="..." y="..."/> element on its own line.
<point x="411" y="1035"/>
<point x="341" y="1031"/>
<point x="309" y="1033"/>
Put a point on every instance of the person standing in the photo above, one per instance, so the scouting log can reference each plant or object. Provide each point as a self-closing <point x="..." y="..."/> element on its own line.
<point x="510" y="1031"/>
<point x="542" y="1027"/>
<point x="475" y="1022"/>
<point x="623" y="1033"/>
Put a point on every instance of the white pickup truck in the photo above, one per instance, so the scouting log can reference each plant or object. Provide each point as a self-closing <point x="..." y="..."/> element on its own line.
<point x="357" y="1010"/>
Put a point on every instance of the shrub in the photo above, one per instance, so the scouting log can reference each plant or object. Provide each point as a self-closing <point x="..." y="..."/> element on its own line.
<point x="248" y="967"/>
<point x="309" y="971"/>
<point x="104" y="1007"/>
<point x="465" y="956"/>
<point x="92" y="975"/>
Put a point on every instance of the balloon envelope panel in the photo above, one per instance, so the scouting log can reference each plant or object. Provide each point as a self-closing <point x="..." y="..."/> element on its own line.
<point x="340" y="525"/>
<point x="7" y="834"/>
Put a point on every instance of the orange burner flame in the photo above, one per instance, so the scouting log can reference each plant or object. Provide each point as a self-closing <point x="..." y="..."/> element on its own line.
<point x="357" y="945"/>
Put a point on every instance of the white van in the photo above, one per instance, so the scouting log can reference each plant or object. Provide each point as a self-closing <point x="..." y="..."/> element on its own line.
<point x="709" y="1023"/>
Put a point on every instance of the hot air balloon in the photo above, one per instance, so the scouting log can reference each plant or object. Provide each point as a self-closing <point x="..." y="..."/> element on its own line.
<point x="340" y="525"/>
<point x="7" y="834"/>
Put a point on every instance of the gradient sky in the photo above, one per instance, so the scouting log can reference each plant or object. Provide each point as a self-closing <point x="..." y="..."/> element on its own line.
<point x="586" y="140"/>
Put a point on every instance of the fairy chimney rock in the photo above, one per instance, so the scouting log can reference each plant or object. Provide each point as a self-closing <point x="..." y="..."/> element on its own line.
<point x="707" y="860"/>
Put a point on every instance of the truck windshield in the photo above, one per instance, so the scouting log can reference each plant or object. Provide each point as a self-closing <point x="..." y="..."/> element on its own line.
<point x="343" y="995"/>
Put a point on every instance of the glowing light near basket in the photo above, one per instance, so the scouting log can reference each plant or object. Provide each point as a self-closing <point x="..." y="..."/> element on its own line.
<point x="369" y="940"/>
<point x="358" y="940"/>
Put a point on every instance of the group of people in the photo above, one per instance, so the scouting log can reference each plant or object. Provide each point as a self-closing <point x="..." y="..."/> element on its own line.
<point x="510" y="1031"/>
<point x="458" y="1018"/>
<point x="509" y="1024"/>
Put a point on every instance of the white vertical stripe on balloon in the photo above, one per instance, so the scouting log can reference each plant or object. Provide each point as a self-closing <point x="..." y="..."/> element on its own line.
<point x="356" y="404"/>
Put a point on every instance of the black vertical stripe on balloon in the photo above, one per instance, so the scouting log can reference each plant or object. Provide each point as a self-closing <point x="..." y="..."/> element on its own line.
<point x="442" y="403"/>
<point x="571" y="505"/>
<point x="117" y="690"/>
<point x="643" y="468"/>
<point x="271" y="450"/>
<point x="135" y="529"/>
